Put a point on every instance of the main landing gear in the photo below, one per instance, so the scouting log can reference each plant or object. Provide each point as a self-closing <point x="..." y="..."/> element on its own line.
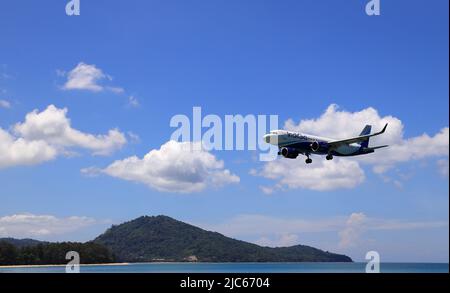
<point x="308" y="160"/>
<point x="329" y="157"/>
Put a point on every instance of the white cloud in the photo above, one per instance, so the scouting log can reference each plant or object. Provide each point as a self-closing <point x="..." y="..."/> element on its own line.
<point x="27" y="225"/>
<point x="347" y="173"/>
<point x="85" y="77"/>
<point x="175" y="167"/>
<point x="44" y="135"/>
<point x="88" y="77"/>
<point x="283" y="231"/>
<point x="336" y="123"/>
<point x="18" y="151"/>
<point x="419" y="147"/>
<point x="350" y="235"/>
<point x="5" y="104"/>
<point x="322" y="175"/>
<point x="53" y="127"/>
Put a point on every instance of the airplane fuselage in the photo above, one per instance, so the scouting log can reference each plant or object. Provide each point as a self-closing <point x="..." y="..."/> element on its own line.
<point x="291" y="144"/>
<point x="306" y="144"/>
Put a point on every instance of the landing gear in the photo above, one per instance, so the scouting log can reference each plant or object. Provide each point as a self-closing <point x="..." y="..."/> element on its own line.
<point x="329" y="157"/>
<point x="308" y="160"/>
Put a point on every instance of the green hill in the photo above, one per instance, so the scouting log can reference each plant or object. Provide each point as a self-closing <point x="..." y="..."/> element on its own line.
<point x="162" y="238"/>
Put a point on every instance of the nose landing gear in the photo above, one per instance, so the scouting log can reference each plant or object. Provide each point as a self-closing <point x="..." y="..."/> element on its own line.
<point x="329" y="157"/>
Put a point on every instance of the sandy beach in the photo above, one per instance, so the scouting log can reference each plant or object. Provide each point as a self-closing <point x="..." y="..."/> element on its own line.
<point x="63" y="265"/>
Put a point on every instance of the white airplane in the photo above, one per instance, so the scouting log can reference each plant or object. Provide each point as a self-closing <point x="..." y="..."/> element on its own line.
<point x="291" y="144"/>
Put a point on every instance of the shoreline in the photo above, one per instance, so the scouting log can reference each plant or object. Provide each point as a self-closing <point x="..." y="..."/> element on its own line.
<point x="169" y="262"/>
<point x="62" y="265"/>
<point x="152" y="262"/>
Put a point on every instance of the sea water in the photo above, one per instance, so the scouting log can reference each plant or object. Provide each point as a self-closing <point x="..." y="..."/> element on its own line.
<point x="240" y="268"/>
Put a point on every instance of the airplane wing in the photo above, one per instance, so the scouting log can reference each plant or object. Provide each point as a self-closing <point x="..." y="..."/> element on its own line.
<point x="378" y="147"/>
<point x="356" y="139"/>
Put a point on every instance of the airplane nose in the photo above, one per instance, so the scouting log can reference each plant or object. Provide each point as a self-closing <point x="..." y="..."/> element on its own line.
<point x="267" y="138"/>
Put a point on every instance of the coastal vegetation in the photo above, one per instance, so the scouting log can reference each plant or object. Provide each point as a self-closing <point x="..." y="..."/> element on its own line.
<point x="15" y="253"/>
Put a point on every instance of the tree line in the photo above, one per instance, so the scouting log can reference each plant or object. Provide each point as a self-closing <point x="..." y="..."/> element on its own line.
<point x="53" y="253"/>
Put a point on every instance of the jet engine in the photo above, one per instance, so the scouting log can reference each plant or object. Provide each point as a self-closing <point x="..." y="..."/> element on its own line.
<point x="315" y="146"/>
<point x="289" y="153"/>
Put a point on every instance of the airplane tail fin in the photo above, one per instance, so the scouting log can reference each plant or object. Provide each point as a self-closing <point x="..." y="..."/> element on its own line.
<point x="366" y="131"/>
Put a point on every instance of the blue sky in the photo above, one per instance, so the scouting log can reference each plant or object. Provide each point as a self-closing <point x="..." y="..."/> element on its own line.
<point x="293" y="59"/>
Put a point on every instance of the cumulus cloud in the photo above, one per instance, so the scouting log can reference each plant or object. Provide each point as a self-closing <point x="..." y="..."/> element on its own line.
<point x="5" y="104"/>
<point x="175" y="167"/>
<point x="18" y="151"/>
<point x="415" y="148"/>
<point x="347" y="173"/>
<point x="44" y="135"/>
<point x="321" y="176"/>
<point x="354" y="226"/>
<point x="26" y="225"/>
<point x="339" y="124"/>
<point x="88" y="77"/>
<point x="53" y="126"/>
<point x="336" y="123"/>
<point x="85" y="77"/>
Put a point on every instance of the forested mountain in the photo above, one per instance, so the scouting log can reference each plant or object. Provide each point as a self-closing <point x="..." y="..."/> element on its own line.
<point x="152" y="239"/>
<point x="162" y="238"/>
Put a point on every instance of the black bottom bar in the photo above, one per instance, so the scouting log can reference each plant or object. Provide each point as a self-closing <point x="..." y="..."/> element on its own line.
<point x="223" y="282"/>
